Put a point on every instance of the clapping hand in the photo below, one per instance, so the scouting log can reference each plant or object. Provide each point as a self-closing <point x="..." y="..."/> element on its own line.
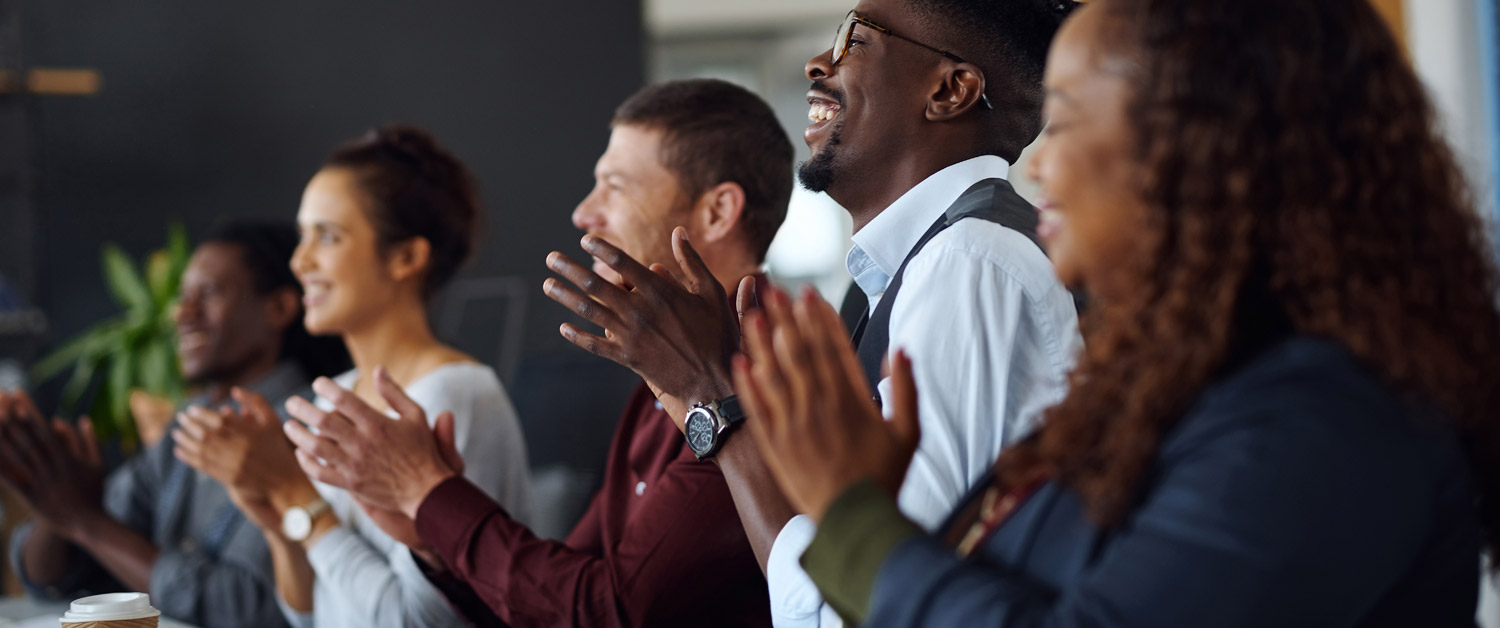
<point x="810" y="408"/>
<point x="387" y="464"/>
<point x="243" y="449"/>
<point x="676" y="333"/>
<point x="52" y="466"/>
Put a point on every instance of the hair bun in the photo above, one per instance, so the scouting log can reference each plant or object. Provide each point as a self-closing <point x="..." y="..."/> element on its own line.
<point x="413" y="145"/>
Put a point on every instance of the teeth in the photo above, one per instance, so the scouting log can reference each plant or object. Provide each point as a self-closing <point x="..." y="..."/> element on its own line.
<point x="820" y="112"/>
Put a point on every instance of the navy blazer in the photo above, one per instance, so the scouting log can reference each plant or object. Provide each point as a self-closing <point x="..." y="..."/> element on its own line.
<point x="1297" y="491"/>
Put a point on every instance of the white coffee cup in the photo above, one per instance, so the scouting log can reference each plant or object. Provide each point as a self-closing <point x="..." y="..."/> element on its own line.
<point x="112" y="610"/>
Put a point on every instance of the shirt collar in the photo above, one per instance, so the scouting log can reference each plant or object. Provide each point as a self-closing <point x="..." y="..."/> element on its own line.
<point x="283" y="380"/>
<point x="884" y="242"/>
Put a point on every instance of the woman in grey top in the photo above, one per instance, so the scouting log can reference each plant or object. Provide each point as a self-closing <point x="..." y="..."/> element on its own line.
<point x="385" y="223"/>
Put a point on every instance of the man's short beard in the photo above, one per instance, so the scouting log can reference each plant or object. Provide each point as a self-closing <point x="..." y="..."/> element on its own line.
<point x="818" y="174"/>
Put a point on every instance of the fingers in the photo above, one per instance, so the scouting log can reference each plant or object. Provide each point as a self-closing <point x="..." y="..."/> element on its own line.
<point x="187" y="449"/>
<point x="320" y="447"/>
<point x="318" y="472"/>
<point x="597" y="345"/>
<point x="699" y="278"/>
<point x="764" y="366"/>
<point x="349" y="409"/>
<point x="630" y="270"/>
<point x="24" y="407"/>
<point x="68" y="437"/>
<point x="14" y="465"/>
<point x="831" y="326"/>
<point x="394" y="396"/>
<point x="447" y="440"/>
<point x="820" y="352"/>
<point x="256" y="406"/>
<point x="90" y="442"/>
<point x="904" y="423"/>
<point x="589" y="308"/>
<point x="608" y="295"/>
<point x="745" y="298"/>
<point x="332" y="424"/>
<point x="37" y="444"/>
<point x="190" y="423"/>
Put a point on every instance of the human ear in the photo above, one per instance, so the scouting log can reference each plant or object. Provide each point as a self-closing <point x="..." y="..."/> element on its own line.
<point x="282" y="307"/>
<point x="961" y="89"/>
<point x="409" y="259"/>
<point x="718" y="211"/>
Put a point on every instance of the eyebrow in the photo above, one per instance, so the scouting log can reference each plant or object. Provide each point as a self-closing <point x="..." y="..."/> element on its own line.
<point x="1061" y="95"/>
<point x="323" y="225"/>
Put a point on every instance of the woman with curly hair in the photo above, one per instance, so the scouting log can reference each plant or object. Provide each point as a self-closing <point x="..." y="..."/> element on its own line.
<point x="1285" y="414"/>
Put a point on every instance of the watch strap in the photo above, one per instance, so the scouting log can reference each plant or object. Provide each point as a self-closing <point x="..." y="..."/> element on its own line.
<point x="730" y="410"/>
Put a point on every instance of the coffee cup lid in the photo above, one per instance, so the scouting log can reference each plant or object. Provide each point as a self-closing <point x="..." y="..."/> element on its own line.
<point x="111" y="606"/>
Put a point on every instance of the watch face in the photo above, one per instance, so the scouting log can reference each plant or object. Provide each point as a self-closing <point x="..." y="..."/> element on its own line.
<point x="700" y="430"/>
<point x="296" y="524"/>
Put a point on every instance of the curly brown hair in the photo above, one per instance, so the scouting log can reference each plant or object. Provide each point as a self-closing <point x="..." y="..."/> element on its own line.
<point x="1296" y="182"/>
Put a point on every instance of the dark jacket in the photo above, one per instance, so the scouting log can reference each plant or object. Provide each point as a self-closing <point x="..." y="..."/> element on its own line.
<point x="1297" y="491"/>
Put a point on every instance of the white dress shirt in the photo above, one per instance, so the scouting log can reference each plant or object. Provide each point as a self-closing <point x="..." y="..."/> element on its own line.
<point x="991" y="333"/>
<point x="364" y="577"/>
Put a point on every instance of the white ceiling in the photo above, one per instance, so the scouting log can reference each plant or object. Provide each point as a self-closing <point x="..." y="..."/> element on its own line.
<point x="665" y="17"/>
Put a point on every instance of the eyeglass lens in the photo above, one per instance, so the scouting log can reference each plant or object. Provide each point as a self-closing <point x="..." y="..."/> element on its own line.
<point x="841" y="39"/>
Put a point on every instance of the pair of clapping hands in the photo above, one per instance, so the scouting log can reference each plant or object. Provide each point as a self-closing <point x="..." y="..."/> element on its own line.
<point x="791" y="362"/>
<point x="53" y="466"/>
<point x="388" y="465"/>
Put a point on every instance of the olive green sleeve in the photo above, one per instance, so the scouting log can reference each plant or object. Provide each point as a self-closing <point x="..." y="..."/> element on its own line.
<point x="861" y="528"/>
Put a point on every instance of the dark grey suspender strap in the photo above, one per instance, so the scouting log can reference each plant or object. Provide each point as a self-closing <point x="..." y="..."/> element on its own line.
<point x="991" y="199"/>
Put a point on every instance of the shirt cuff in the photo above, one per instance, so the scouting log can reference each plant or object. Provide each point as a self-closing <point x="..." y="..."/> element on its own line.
<point x="330" y="549"/>
<point x="449" y="514"/>
<point x="795" y="600"/>
<point x="860" y="530"/>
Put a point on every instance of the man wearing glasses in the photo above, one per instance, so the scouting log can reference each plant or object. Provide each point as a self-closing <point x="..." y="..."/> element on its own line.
<point x="917" y="112"/>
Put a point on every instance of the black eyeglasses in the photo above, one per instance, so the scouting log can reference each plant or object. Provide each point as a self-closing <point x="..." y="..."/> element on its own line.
<point x="846" y="33"/>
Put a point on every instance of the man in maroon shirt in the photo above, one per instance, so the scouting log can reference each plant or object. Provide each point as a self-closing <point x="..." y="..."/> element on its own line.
<point x="662" y="543"/>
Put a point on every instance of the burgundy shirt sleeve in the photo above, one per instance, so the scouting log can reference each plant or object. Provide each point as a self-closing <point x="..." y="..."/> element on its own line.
<point x="529" y="581"/>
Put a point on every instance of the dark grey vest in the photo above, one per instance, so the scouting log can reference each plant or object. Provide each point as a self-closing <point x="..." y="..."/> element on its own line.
<point x="991" y="199"/>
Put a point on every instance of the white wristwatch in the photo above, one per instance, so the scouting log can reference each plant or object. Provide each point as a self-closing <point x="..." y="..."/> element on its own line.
<point x="296" y="522"/>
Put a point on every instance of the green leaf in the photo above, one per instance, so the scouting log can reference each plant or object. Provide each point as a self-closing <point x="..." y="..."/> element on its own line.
<point x="159" y="277"/>
<point x="77" y="385"/>
<point x="117" y="388"/>
<point x="178" y="247"/>
<point x="124" y="282"/>
<point x="68" y="355"/>
<point x="157" y="368"/>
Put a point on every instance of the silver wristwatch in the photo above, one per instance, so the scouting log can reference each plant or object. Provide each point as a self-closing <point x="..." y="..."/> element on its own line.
<point x="707" y="425"/>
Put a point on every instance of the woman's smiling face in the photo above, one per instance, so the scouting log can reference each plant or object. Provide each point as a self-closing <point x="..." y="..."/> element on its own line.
<point x="1085" y="164"/>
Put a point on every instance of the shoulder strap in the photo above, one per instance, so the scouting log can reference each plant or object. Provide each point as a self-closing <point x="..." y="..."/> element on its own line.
<point x="991" y="199"/>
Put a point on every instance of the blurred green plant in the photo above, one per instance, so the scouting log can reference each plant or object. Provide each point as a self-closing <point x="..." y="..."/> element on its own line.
<point x="131" y="350"/>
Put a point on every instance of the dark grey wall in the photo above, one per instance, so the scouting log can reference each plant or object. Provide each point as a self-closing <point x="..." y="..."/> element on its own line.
<point x="214" y="109"/>
<point x="225" y="109"/>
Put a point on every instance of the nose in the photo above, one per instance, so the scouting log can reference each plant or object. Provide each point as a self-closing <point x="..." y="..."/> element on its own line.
<point x="1034" y="165"/>
<point x="301" y="261"/>
<point x="819" y="67"/>
<point x="187" y="308"/>
<point x="587" y="217"/>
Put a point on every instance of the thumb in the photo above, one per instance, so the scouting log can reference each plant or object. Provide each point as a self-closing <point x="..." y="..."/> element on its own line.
<point x="90" y="442"/>
<point x="256" y="406"/>
<point x="444" y="430"/>
<point x="904" y="424"/>
<point x="746" y="297"/>
<point x="396" y="397"/>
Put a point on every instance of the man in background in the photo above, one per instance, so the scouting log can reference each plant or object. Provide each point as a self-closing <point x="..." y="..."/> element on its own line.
<point x="155" y="525"/>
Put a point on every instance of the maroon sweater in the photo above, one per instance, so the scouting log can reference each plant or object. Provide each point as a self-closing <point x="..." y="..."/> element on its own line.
<point x="660" y="545"/>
